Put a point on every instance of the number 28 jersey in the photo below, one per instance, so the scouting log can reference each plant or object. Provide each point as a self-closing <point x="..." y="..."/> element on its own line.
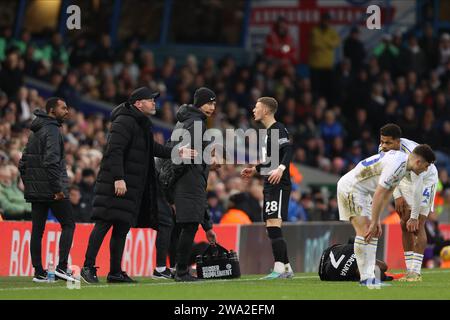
<point x="385" y="169"/>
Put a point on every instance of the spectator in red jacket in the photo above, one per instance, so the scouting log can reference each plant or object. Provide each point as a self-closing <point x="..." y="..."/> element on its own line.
<point x="279" y="43"/>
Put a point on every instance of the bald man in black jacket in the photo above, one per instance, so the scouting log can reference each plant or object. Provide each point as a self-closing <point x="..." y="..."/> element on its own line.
<point x="43" y="171"/>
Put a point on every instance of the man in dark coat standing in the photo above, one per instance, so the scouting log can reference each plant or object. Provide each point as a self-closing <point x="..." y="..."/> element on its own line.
<point x="43" y="171"/>
<point x="190" y="189"/>
<point x="125" y="192"/>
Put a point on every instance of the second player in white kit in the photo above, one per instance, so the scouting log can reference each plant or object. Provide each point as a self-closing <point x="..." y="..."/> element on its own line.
<point x="414" y="200"/>
<point x="417" y="190"/>
<point x="366" y="190"/>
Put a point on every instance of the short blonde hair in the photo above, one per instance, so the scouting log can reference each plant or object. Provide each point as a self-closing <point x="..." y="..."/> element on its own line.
<point x="270" y="102"/>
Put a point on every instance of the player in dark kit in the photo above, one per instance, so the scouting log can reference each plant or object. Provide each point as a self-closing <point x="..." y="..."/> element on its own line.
<point x="338" y="263"/>
<point x="277" y="183"/>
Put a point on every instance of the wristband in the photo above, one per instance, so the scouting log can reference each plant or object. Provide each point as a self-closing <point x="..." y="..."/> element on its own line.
<point x="414" y="216"/>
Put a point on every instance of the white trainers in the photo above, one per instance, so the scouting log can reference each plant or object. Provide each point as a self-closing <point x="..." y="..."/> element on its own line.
<point x="64" y="275"/>
<point x="272" y="275"/>
<point x="287" y="275"/>
<point x="40" y="277"/>
<point x="373" y="283"/>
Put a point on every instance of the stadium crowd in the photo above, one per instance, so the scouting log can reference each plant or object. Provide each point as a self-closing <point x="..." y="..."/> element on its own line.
<point x="404" y="79"/>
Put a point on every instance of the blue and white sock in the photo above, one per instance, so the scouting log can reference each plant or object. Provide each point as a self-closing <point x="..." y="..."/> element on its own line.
<point x="409" y="260"/>
<point x="360" y="248"/>
<point x="417" y="263"/>
<point x="371" y="256"/>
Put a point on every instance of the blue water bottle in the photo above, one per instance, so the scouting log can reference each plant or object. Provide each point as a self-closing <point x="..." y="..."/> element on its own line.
<point x="51" y="272"/>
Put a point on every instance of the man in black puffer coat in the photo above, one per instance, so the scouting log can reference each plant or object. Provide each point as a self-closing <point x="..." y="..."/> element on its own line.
<point x="43" y="171"/>
<point x="125" y="191"/>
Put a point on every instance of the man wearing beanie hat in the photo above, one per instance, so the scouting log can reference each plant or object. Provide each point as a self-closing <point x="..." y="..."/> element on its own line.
<point x="190" y="189"/>
<point x="203" y="96"/>
<point x="125" y="192"/>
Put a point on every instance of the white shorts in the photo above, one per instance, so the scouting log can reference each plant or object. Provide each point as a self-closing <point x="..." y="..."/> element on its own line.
<point x="427" y="200"/>
<point x="352" y="203"/>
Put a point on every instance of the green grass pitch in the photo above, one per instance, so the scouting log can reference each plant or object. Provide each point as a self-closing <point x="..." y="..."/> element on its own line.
<point x="435" y="285"/>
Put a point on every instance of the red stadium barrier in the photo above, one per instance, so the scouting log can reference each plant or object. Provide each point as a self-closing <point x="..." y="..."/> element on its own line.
<point x="445" y="229"/>
<point x="393" y="249"/>
<point x="138" y="258"/>
<point x="140" y="255"/>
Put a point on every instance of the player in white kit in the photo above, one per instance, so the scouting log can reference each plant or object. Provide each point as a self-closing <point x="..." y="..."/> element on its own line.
<point x="414" y="200"/>
<point x="366" y="190"/>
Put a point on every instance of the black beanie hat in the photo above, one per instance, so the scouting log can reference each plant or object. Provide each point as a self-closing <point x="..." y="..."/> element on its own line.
<point x="202" y="96"/>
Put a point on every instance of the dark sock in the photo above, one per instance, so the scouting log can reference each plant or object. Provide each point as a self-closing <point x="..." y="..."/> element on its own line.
<point x="279" y="248"/>
<point x="62" y="267"/>
<point x="285" y="258"/>
<point x="38" y="270"/>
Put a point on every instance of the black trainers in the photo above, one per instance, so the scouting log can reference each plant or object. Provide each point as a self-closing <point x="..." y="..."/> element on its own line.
<point x="40" y="276"/>
<point x="89" y="274"/>
<point x="389" y="278"/>
<point x="166" y="274"/>
<point x="64" y="275"/>
<point x="120" y="277"/>
<point x="186" y="277"/>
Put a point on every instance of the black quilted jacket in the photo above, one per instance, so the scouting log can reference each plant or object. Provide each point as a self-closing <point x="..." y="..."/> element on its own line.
<point x="43" y="166"/>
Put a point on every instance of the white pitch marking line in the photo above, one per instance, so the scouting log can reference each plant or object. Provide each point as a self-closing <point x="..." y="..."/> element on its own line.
<point x="175" y="283"/>
<point x="147" y="284"/>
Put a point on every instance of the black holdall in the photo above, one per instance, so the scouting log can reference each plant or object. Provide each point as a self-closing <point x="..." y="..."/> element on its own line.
<point x="218" y="263"/>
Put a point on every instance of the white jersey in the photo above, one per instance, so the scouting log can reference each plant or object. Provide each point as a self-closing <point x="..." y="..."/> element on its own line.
<point x="356" y="188"/>
<point x="385" y="169"/>
<point x="418" y="190"/>
<point x="408" y="146"/>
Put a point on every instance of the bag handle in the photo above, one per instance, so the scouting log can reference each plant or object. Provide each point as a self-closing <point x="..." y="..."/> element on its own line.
<point x="214" y="250"/>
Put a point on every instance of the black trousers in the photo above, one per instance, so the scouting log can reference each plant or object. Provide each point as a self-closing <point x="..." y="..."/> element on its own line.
<point x="184" y="248"/>
<point x="174" y="237"/>
<point x="162" y="244"/>
<point x="62" y="210"/>
<point x="116" y="245"/>
<point x="166" y="245"/>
